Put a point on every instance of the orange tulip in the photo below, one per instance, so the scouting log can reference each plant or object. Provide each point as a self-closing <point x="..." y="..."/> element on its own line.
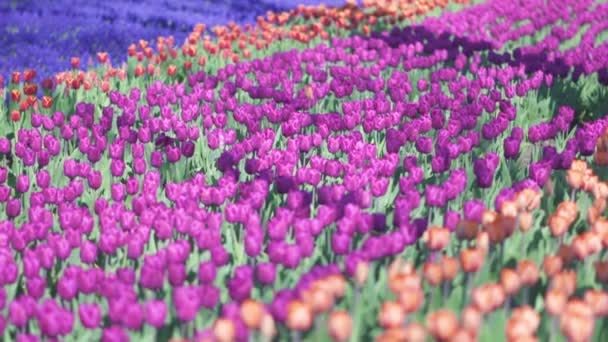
<point x="267" y="327"/>
<point x="299" y="316"/>
<point x="432" y="273"/>
<point x="471" y="319"/>
<point x="252" y="312"/>
<point x="224" y="330"/>
<point x="471" y="259"/>
<point x="552" y="264"/>
<point x="564" y="281"/>
<point x="361" y="273"/>
<point x="411" y="300"/>
<point x="574" y="178"/>
<point x="340" y="325"/>
<point x="442" y="324"/>
<point x="510" y="281"/>
<point x="318" y="299"/>
<point x="528" y="272"/>
<point x="391" y="315"/>
<point x="414" y="332"/>
<point x="437" y="238"/>
<point x="577" y="323"/>
<point x="449" y="268"/>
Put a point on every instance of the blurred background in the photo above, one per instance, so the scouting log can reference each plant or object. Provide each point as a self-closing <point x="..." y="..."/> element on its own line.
<point x="45" y="34"/>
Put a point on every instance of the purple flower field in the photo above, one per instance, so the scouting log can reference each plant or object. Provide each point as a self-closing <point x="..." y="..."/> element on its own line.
<point x="367" y="171"/>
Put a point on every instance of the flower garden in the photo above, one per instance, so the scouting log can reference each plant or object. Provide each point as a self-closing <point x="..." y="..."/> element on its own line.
<point x="384" y="170"/>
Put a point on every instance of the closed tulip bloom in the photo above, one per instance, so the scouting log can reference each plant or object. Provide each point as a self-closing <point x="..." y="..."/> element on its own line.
<point x="35" y="287"/>
<point x="252" y="312"/>
<point x="206" y="272"/>
<point x="391" y="315"/>
<point x="265" y="273"/>
<point x="43" y="179"/>
<point x="134" y="316"/>
<point x="94" y="179"/>
<point x="510" y="281"/>
<point x="340" y="325"/>
<point x="224" y="330"/>
<point x="555" y="302"/>
<point x="90" y="315"/>
<point x="17" y="314"/>
<point x="177" y="274"/>
<point x="114" y="334"/>
<point x="156" y="313"/>
<point x="442" y="324"/>
<point x="437" y="238"/>
<point x="13" y="207"/>
<point x="117" y="167"/>
<point x="23" y="183"/>
<point x="528" y="272"/>
<point x="472" y="259"/>
<point x="299" y="316"/>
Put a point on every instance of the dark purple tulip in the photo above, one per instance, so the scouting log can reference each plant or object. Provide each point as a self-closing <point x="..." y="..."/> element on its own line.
<point x="206" y="272"/>
<point x="13" y="207"/>
<point x="265" y="273"/>
<point x="3" y="174"/>
<point x="156" y="159"/>
<point x="473" y="210"/>
<point x="239" y="287"/>
<point x="424" y="144"/>
<point x="511" y="148"/>
<point x="540" y="172"/>
<point x="340" y="243"/>
<point x="90" y="315"/>
<point x="5" y="193"/>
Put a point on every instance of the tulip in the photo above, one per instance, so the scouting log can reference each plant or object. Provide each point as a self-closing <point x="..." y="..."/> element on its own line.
<point x="391" y="315"/>
<point x="90" y="315"/>
<point x="340" y="325"/>
<point x="156" y="313"/>
<point x="299" y="316"/>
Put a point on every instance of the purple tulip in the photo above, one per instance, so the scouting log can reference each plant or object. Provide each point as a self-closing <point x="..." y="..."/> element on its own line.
<point x="156" y="313"/>
<point x="265" y="273"/>
<point x="23" y="183"/>
<point x="90" y="315"/>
